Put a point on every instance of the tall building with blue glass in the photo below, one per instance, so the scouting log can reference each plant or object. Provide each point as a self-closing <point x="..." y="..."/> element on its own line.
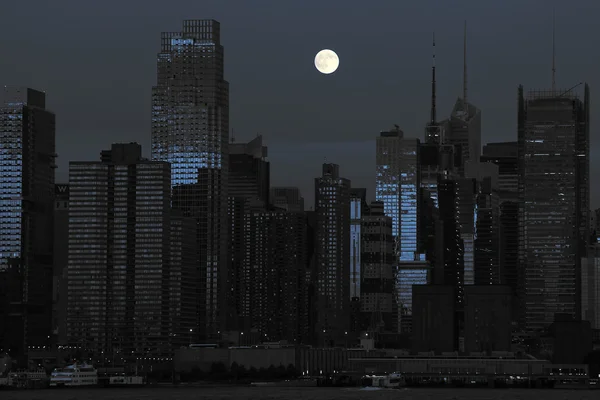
<point x="27" y="165"/>
<point x="398" y="187"/>
<point x="190" y="124"/>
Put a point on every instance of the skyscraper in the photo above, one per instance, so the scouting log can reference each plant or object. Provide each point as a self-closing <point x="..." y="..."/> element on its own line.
<point x="590" y="286"/>
<point x="554" y="198"/>
<point x="273" y="273"/>
<point x="387" y="183"/>
<point x="27" y="164"/>
<point x="248" y="184"/>
<point x="505" y="156"/>
<point x="249" y="170"/>
<point x="119" y="254"/>
<point x="465" y="132"/>
<point x="487" y="221"/>
<point x="61" y="261"/>
<point x="464" y="124"/>
<point x="190" y="124"/>
<point x="288" y="198"/>
<point x="131" y="263"/>
<point x="398" y="187"/>
<point x="358" y="207"/>
<point x="378" y="304"/>
<point x="332" y="207"/>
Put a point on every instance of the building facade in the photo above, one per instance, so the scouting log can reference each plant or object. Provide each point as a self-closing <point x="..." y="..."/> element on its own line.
<point x="249" y="170"/>
<point x="248" y="188"/>
<point x="358" y="208"/>
<point x="128" y="268"/>
<point x="590" y="286"/>
<point x="487" y="318"/>
<point x="27" y="165"/>
<point x="554" y="199"/>
<point x="190" y="130"/>
<point x="288" y="198"/>
<point x="61" y="262"/>
<point x="272" y="279"/>
<point x="332" y="266"/>
<point x="505" y="156"/>
<point x="378" y="300"/>
<point x="465" y="132"/>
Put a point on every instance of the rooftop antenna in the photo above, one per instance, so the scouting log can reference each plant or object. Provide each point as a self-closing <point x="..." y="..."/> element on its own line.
<point x="553" y="50"/>
<point x="433" y="110"/>
<point x="465" y="68"/>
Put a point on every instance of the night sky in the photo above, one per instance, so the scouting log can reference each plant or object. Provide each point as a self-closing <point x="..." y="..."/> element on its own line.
<point x="96" y="60"/>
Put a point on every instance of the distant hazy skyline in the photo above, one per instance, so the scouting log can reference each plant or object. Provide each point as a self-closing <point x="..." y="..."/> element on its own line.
<point x="97" y="63"/>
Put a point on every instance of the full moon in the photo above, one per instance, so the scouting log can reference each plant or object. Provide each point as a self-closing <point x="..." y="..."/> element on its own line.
<point x="326" y="61"/>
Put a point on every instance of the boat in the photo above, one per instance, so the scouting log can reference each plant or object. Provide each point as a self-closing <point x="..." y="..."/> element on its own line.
<point x="74" y="375"/>
<point x="304" y="382"/>
<point x="390" y="381"/>
<point x="577" y="384"/>
<point x="126" y="381"/>
<point x="27" y="379"/>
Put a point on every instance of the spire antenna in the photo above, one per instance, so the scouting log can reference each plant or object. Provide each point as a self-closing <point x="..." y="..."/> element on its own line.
<point x="433" y="105"/>
<point x="465" y="68"/>
<point x="553" y="50"/>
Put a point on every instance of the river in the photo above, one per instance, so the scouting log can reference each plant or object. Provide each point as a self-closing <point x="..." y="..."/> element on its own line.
<point x="273" y="393"/>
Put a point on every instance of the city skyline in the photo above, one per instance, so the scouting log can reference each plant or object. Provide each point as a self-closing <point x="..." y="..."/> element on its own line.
<point x="448" y="245"/>
<point x="331" y="101"/>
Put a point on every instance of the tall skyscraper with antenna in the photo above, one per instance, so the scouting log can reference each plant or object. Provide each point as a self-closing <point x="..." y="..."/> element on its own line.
<point x="464" y="128"/>
<point x="432" y="129"/>
<point x="553" y="140"/>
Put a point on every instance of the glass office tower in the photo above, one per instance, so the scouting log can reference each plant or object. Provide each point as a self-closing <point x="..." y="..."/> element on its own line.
<point x="27" y="164"/>
<point x="190" y="124"/>
<point x="554" y="201"/>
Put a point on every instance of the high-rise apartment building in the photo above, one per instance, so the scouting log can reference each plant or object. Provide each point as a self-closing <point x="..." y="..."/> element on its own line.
<point x="466" y="205"/>
<point x="61" y="261"/>
<point x="378" y="304"/>
<point x="450" y="260"/>
<point x="288" y="198"/>
<point x="27" y="164"/>
<point x="248" y="184"/>
<point x="554" y="201"/>
<point x="249" y="170"/>
<point x="358" y="208"/>
<point x="487" y="269"/>
<point x="487" y="318"/>
<point x="190" y="125"/>
<point x="590" y="286"/>
<point x="332" y="266"/>
<point x="273" y="271"/>
<point x="505" y="156"/>
<point x="126" y="262"/>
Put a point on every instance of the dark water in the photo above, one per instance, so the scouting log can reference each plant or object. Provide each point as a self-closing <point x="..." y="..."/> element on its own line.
<point x="251" y="393"/>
